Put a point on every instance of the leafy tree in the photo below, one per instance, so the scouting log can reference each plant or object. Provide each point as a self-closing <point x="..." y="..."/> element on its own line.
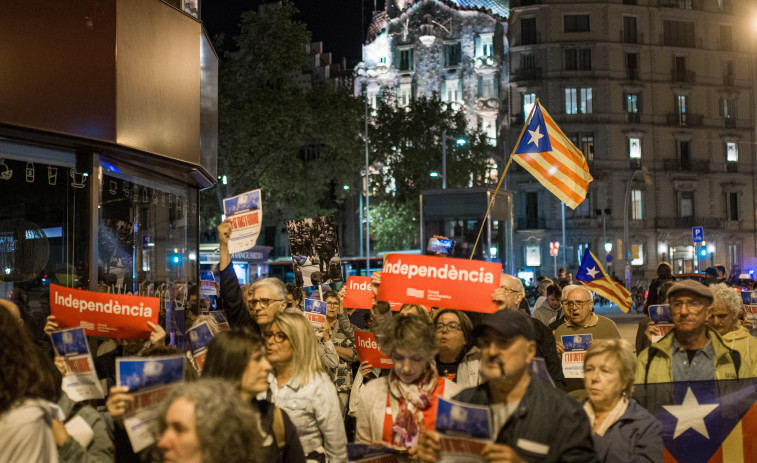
<point x="297" y="145"/>
<point x="406" y="146"/>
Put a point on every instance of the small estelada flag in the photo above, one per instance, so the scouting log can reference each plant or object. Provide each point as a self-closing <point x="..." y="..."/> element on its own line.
<point x="594" y="277"/>
<point x="547" y="154"/>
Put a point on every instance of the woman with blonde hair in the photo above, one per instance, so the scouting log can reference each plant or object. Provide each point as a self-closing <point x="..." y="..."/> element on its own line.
<point x="300" y="387"/>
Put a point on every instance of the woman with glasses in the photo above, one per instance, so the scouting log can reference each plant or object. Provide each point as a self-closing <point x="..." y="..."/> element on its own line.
<point x="457" y="359"/>
<point x="301" y="388"/>
<point x="238" y="356"/>
<point x="395" y="410"/>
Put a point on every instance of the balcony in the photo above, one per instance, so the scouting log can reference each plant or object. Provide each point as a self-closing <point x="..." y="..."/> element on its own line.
<point x="671" y="165"/>
<point x="531" y="223"/>
<point x="632" y="73"/>
<point x="634" y="118"/>
<point x="634" y="164"/>
<point x="729" y="123"/>
<point x="684" y="76"/>
<point x="685" y="120"/>
<point x="528" y="74"/>
<point x="731" y="167"/>
<point x="712" y="223"/>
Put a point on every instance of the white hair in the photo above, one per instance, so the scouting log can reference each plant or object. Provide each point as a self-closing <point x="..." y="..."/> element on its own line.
<point x="731" y="298"/>
<point x="569" y="288"/>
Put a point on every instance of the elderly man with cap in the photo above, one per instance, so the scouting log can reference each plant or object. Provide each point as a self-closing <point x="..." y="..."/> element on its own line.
<point x="691" y="351"/>
<point x="531" y="420"/>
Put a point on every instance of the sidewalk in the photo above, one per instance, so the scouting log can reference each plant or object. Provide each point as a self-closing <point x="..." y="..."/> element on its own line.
<point x="628" y="323"/>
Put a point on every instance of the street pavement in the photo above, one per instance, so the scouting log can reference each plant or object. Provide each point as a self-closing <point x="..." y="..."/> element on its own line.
<point x="627" y="322"/>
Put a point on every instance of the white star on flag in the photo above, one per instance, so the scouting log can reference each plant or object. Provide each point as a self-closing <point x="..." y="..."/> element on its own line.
<point x="592" y="272"/>
<point x="690" y="414"/>
<point x="536" y="136"/>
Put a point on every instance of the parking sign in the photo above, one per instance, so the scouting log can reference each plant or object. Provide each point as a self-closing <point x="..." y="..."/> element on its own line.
<point x="698" y="234"/>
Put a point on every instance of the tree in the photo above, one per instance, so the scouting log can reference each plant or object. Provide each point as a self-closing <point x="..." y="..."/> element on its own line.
<point x="405" y="147"/>
<point x="299" y="146"/>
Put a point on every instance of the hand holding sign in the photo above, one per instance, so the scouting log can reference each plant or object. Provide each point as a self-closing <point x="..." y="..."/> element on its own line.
<point x="368" y="350"/>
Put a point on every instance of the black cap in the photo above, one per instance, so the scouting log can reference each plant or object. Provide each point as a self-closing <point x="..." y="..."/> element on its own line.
<point x="508" y="323"/>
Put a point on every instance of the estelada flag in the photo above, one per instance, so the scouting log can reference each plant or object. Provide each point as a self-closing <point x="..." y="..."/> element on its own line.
<point x="545" y="152"/>
<point x="432" y="281"/>
<point x="704" y="421"/>
<point x="594" y="277"/>
<point x="103" y="314"/>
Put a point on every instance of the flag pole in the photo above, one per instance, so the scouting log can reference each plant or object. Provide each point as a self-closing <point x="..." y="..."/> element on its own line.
<point x="504" y="172"/>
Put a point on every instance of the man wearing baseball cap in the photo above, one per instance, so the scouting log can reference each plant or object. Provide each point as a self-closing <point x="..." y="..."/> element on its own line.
<point x="691" y="351"/>
<point x="531" y="420"/>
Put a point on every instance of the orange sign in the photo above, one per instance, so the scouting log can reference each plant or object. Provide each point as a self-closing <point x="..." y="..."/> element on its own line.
<point x="440" y="282"/>
<point x="102" y="314"/>
<point x="359" y="294"/>
<point x="368" y="350"/>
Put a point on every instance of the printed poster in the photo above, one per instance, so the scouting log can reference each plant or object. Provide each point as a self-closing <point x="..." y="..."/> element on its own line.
<point x="199" y="338"/>
<point x="465" y="430"/>
<point x="574" y="354"/>
<point x="207" y="284"/>
<point x="359" y="294"/>
<point x="149" y="380"/>
<point x="660" y="315"/>
<point x="103" y="314"/>
<point x="220" y="318"/>
<point x="80" y="382"/>
<point x="246" y="214"/>
<point x="315" y="251"/>
<point x="368" y="350"/>
<point x="444" y="282"/>
<point x="315" y="311"/>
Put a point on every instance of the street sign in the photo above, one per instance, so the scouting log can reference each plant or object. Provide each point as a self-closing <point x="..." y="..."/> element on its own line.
<point x="698" y="234"/>
<point x="554" y="247"/>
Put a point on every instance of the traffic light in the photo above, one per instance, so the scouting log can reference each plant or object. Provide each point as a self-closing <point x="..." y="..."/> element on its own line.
<point x="703" y="251"/>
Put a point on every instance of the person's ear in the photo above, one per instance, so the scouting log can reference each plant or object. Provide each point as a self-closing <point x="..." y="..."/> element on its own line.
<point x="530" y="350"/>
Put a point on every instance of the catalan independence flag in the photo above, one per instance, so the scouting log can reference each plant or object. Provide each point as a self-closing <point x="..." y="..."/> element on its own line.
<point x="545" y="152"/>
<point x="704" y="421"/>
<point x="594" y="277"/>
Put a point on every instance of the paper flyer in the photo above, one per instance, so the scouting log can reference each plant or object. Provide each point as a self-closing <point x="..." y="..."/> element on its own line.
<point x="445" y="282"/>
<point x="207" y="284"/>
<point x="315" y="251"/>
<point x="80" y="381"/>
<point x="368" y="350"/>
<point x="573" y="356"/>
<point x="149" y="380"/>
<point x="465" y="429"/>
<point x="660" y="315"/>
<point x="246" y="214"/>
<point x="220" y="318"/>
<point x="315" y="311"/>
<point x="199" y="338"/>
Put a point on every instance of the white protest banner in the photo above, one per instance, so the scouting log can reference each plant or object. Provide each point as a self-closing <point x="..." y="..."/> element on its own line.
<point x="80" y="381"/>
<point x="246" y="214"/>
<point x="149" y="379"/>
<point x="574" y="353"/>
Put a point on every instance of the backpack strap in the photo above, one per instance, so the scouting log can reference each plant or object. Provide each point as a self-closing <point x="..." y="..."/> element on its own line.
<point x="277" y="426"/>
<point x="736" y="356"/>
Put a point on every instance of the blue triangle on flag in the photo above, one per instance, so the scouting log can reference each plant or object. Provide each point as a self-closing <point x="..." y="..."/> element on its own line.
<point x="589" y="270"/>
<point x="535" y="138"/>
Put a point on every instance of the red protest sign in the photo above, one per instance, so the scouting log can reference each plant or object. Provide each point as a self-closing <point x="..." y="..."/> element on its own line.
<point x="359" y="294"/>
<point x="440" y="282"/>
<point x="102" y="314"/>
<point x="368" y="351"/>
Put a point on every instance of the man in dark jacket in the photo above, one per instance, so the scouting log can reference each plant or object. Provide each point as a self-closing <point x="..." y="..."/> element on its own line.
<point x="532" y="421"/>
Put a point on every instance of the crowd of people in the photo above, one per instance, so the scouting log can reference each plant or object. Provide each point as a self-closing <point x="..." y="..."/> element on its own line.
<point x="275" y="389"/>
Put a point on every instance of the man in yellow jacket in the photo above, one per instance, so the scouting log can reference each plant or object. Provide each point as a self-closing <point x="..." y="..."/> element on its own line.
<point x="691" y="351"/>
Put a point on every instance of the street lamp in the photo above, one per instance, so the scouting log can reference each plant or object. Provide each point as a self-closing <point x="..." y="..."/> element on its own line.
<point x="627" y="257"/>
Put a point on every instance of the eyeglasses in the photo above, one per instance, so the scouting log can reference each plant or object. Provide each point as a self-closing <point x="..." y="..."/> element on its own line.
<point x="511" y="291"/>
<point x="332" y="304"/>
<point x="277" y="336"/>
<point x="577" y="304"/>
<point x="451" y="326"/>
<point x="695" y="305"/>
<point x="264" y="302"/>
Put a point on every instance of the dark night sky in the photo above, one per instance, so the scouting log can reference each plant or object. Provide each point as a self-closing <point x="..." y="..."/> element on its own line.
<point x="337" y="23"/>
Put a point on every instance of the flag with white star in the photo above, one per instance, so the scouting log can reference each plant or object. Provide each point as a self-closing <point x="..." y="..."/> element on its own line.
<point x="547" y="154"/>
<point x="705" y="421"/>
<point x="594" y="277"/>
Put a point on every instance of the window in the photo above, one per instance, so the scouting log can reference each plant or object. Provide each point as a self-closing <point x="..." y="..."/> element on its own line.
<point x="728" y="73"/>
<point x="678" y="34"/>
<point x="637" y="254"/>
<point x="727" y="108"/>
<point x="533" y="256"/>
<point x="732" y="206"/>
<point x="532" y="210"/>
<point x="578" y="100"/>
<point x="634" y="148"/>
<point x="731" y="151"/>
<point x="682" y="102"/>
<point x="726" y="38"/>
<point x="578" y="59"/>
<point x="453" y="54"/>
<point x="686" y="204"/>
<point x="484" y="45"/>
<point x="407" y="61"/>
<point x="679" y="69"/>
<point x="452" y="91"/>
<point x="632" y="102"/>
<point x="571" y="101"/>
<point x="629" y="30"/>
<point x="586" y="100"/>
<point x="684" y="154"/>
<point x="528" y="31"/>
<point x="528" y="62"/>
<point x="488" y="87"/>
<point x="405" y="94"/>
<point x="632" y="66"/>
<point x="529" y="99"/>
<point x="489" y="127"/>
<point x="576" y="23"/>
<point x="584" y="141"/>
<point x="637" y="204"/>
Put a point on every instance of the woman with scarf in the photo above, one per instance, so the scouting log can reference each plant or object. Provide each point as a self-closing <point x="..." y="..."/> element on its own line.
<point x="395" y="410"/>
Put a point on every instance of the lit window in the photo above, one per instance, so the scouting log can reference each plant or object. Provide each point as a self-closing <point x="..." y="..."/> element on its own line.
<point x="586" y="101"/>
<point x="533" y="256"/>
<point x="637" y="204"/>
<point x="529" y="100"/>
<point x="578" y="100"/>
<point x="634" y="148"/>
<point x="571" y="101"/>
<point x="637" y="254"/>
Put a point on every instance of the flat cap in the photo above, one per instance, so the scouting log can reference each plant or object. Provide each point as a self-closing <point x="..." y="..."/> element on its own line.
<point x="690" y="286"/>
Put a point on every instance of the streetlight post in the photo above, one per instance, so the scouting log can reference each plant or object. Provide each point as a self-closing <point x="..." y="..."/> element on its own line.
<point x="444" y="159"/>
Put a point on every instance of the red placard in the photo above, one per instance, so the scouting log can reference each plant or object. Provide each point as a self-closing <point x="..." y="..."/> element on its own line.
<point x="368" y="351"/>
<point x="359" y="294"/>
<point x="440" y="282"/>
<point x="102" y="314"/>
